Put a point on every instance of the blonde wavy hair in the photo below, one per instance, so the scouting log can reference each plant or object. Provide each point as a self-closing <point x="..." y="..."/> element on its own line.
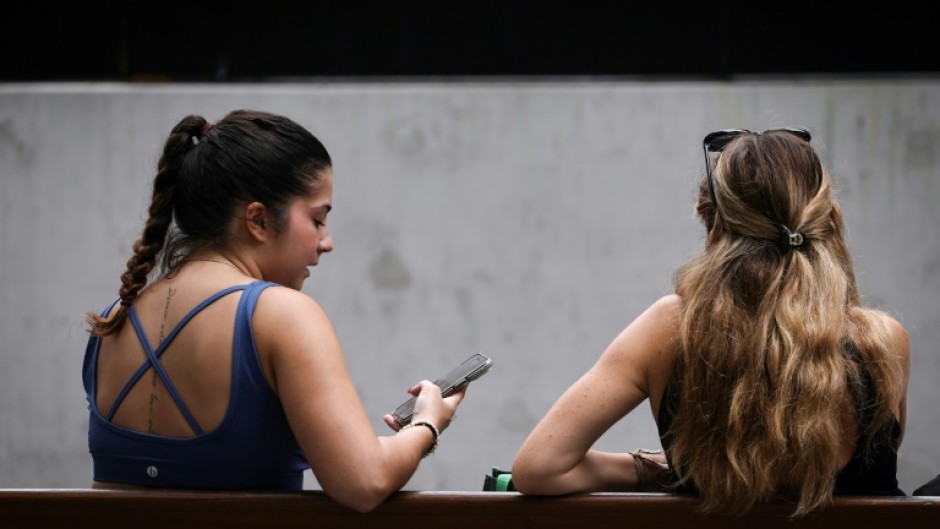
<point x="765" y="378"/>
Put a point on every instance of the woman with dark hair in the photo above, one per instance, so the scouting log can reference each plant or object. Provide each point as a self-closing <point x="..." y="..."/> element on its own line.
<point x="218" y="372"/>
<point x="767" y="378"/>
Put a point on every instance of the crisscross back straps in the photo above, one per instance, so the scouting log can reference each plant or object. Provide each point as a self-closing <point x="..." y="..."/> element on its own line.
<point x="153" y="358"/>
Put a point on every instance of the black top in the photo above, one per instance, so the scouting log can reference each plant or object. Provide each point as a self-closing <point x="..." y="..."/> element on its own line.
<point x="873" y="467"/>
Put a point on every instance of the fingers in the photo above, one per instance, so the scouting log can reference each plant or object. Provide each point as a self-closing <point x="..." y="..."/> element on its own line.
<point x="391" y="422"/>
<point x="422" y="386"/>
<point x="458" y="395"/>
<point x="452" y="401"/>
<point x="431" y="406"/>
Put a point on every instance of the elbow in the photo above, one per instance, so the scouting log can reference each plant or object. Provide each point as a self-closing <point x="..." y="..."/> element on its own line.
<point x="361" y="497"/>
<point x="522" y="486"/>
<point x="541" y="476"/>
<point x="524" y="480"/>
<point x="365" y="503"/>
<point x="361" y="502"/>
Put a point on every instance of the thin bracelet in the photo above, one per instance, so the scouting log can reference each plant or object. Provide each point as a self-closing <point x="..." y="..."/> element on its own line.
<point x="435" y="434"/>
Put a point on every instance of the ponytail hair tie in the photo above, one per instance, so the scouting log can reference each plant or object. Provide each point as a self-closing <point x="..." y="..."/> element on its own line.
<point x="205" y="130"/>
<point x="789" y="239"/>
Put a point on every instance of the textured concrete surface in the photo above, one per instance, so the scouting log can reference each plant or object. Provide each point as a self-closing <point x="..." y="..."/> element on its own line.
<point x="529" y="221"/>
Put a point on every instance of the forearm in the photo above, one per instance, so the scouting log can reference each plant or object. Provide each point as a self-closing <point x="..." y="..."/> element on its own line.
<point x="375" y="471"/>
<point x="403" y="452"/>
<point x="596" y="471"/>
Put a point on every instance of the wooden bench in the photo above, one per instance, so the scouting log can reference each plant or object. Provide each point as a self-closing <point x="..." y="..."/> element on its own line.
<point x="166" y="509"/>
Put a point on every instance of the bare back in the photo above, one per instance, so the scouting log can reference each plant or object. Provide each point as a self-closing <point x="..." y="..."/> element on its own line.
<point x="197" y="360"/>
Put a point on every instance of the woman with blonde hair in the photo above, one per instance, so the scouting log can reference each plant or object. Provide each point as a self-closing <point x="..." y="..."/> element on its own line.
<point x="767" y="377"/>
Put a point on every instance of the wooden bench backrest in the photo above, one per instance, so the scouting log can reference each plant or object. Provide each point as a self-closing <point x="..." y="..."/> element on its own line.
<point x="174" y="509"/>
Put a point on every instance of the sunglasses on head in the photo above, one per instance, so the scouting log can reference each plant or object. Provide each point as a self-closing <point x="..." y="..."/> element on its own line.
<point x="718" y="140"/>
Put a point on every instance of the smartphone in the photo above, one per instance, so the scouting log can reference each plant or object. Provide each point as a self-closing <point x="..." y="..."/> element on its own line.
<point x="470" y="369"/>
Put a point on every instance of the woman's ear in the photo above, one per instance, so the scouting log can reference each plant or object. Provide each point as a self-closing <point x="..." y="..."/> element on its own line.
<point x="256" y="220"/>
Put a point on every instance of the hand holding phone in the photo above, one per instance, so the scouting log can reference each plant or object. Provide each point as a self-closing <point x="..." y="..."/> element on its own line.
<point x="470" y="369"/>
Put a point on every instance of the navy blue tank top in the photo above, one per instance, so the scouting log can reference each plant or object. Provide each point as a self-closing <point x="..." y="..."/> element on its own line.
<point x="874" y="464"/>
<point x="252" y="448"/>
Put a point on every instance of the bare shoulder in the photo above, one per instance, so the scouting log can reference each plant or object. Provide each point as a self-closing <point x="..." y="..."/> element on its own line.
<point x="897" y="333"/>
<point x="898" y="340"/>
<point x="668" y="306"/>
<point x="892" y="331"/>
<point x="645" y="349"/>
<point x="664" y="314"/>
<point x="283" y="313"/>
<point x="896" y="343"/>
<point x="284" y="301"/>
<point x="294" y="337"/>
<point x="658" y="322"/>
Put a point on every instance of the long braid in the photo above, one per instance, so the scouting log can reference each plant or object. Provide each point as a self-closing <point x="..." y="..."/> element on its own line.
<point x="151" y="242"/>
<point x="205" y="171"/>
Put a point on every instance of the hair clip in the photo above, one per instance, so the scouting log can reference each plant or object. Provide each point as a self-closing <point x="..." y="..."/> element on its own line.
<point x="796" y="239"/>
<point x="789" y="239"/>
<point x="195" y="140"/>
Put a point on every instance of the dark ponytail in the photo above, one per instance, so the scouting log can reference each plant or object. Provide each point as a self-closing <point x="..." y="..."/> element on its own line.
<point x="204" y="173"/>
<point x="148" y="246"/>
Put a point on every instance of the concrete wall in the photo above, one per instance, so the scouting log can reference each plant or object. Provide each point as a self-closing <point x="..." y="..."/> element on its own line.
<point x="529" y="221"/>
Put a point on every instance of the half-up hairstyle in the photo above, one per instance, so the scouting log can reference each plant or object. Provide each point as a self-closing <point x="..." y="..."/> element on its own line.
<point x="204" y="173"/>
<point x="764" y="369"/>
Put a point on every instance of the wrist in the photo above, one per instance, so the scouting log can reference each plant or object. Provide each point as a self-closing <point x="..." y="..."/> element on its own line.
<point x="435" y="434"/>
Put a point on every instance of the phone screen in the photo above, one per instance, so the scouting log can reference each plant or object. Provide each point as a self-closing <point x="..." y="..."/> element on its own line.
<point x="470" y="369"/>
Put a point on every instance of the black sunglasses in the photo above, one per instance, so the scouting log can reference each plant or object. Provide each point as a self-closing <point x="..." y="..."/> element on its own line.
<point x="718" y="140"/>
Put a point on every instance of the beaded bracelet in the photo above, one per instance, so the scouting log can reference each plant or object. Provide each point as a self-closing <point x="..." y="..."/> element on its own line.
<point x="435" y="434"/>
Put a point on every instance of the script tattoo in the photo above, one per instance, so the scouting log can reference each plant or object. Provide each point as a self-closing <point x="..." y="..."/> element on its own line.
<point x="170" y="292"/>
